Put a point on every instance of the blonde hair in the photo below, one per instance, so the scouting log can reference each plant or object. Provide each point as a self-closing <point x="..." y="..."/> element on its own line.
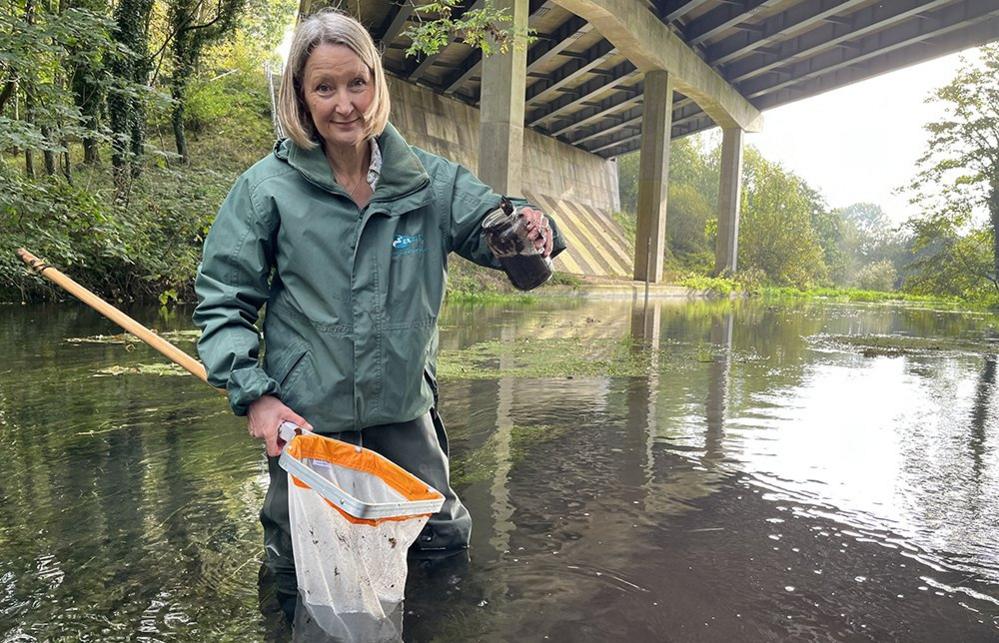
<point x="330" y="27"/>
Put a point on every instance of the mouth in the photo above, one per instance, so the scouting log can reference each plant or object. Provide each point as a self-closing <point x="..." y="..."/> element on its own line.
<point x="350" y="122"/>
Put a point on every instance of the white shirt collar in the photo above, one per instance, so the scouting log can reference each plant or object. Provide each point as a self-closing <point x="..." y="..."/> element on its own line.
<point x="375" y="169"/>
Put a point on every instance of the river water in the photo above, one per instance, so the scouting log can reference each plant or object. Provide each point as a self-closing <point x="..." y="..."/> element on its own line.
<point x="677" y="471"/>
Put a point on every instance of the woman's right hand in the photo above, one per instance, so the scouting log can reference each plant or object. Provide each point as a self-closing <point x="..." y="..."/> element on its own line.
<point x="265" y="416"/>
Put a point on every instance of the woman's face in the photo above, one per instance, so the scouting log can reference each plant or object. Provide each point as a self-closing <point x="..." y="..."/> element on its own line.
<point x="338" y="89"/>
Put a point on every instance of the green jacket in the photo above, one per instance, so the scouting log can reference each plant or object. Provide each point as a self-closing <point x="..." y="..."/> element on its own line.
<point x="352" y="295"/>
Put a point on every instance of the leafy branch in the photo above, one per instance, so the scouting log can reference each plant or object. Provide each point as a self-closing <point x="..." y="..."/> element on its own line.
<point x="483" y="27"/>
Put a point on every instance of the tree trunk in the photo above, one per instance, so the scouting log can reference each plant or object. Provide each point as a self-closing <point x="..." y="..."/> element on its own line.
<point x="5" y="95"/>
<point x="178" y="92"/>
<point x="137" y="139"/>
<point x="127" y="114"/>
<point x="87" y="95"/>
<point x="29" y="98"/>
<point x="29" y="163"/>
<point x="994" y="215"/>
<point x="47" y="154"/>
<point x="180" y="137"/>
<point x="91" y="153"/>
<point x="29" y="116"/>
<point x="67" y="169"/>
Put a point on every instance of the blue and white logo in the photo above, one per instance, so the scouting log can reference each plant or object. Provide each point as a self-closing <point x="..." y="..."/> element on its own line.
<point x="406" y="244"/>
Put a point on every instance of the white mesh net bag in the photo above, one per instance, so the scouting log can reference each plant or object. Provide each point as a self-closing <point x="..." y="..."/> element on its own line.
<point x="354" y="514"/>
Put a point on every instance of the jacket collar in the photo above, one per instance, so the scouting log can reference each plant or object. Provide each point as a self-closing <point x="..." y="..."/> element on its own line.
<point x="402" y="173"/>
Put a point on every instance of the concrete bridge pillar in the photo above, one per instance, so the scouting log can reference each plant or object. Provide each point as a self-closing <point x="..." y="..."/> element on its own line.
<point x="501" y="109"/>
<point x="729" y="191"/>
<point x="653" y="176"/>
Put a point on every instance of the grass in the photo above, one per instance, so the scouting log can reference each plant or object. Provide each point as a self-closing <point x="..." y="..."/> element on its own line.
<point x="876" y="296"/>
<point x="712" y="286"/>
<point x="472" y="284"/>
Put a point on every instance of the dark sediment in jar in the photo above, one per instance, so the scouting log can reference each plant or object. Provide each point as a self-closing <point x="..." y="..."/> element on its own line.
<point x="526" y="271"/>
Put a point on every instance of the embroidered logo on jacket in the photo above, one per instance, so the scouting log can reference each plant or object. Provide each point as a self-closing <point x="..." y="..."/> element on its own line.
<point x="407" y="244"/>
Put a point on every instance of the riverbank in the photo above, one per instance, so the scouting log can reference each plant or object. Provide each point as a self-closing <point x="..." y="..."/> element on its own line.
<point x="472" y="284"/>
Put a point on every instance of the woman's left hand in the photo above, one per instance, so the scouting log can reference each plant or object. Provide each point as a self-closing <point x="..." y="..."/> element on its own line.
<point x="538" y="229"/>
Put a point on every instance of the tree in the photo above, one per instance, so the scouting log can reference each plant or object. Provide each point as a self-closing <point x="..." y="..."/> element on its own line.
<point x="960" y="170"/>
<point x="948" y="260"/>
<point x="194" y="26"/>
<point x="38" y="51"/>
<point x="88" y="81"/>
<point x="484" y="27"/>
<point x="775" y="233"/>
<point x="126" y="102"/>
<point x="687" y="212"/>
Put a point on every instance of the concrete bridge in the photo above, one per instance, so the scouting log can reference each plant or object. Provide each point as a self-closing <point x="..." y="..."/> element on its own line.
<point x="607" y="77"/>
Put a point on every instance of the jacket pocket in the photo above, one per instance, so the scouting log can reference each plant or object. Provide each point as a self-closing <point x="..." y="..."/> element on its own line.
<point x="289" y="369"/>
<point x="294" y="372"/>
<point x="404" y="361"/>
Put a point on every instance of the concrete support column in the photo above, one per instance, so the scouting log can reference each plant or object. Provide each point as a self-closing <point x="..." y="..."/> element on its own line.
<point x="653" y="176"/>
<point x="729" y="192"/>
<point x="501" y="109"/>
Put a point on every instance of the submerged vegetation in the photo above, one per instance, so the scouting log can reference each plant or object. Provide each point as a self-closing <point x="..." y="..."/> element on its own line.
<point x="550" y="357"/>
<point x="900" y="345"/>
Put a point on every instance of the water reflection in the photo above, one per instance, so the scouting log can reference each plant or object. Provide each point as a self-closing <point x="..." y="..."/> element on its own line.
<point x="980" y="414"/>
<point x="746" y="478"/>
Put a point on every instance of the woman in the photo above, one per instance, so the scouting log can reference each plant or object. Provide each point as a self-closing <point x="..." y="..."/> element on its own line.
<point x="343" y="232"/>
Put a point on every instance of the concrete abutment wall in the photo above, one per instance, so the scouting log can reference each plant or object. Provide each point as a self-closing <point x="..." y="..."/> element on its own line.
<point x="579" y="189"/>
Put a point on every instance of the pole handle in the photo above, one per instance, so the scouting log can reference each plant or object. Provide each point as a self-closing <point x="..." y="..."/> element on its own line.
<point x="168" y="350"/>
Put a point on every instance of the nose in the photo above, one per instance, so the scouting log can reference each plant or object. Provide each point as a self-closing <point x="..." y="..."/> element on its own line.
<point x="343" y="104"/>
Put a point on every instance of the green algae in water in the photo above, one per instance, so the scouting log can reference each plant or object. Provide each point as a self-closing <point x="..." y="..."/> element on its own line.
<point x="122" y="339"/>
<point x="562" y="357"/>
<point x="900" y="345"/>
<point x="119" y="340"/>
<point x="142" y="369"/>
<point x="480" y="465"/>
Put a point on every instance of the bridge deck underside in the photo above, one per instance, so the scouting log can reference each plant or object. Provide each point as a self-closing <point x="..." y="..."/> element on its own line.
<point x="581" y="91"/>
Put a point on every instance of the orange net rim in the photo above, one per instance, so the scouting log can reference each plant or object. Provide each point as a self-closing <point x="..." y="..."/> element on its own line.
<point x="349" y="456"/>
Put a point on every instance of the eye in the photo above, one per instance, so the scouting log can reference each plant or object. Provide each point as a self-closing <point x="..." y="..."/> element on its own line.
<point x="323" y="88"/>
<point x="358" y="82"/>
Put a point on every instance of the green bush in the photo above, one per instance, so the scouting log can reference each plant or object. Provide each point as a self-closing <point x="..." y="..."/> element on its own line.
<point x="879" y="275"/>
<point x="717" y="286"/>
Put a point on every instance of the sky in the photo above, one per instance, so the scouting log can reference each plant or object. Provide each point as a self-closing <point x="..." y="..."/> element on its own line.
<point x="860" y="142"/>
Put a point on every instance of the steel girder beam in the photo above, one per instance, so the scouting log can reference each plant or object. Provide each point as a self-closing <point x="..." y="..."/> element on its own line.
<point x="395" y="23"/>
<point x="577" y="66"/>
<point x="918" y="29"/>
<point x="797" y="17"/>
<point x="946" y="38"/>
<point x="829" y="36"/>
<point x="722" y="17"/>
<point x="619" y="74"/>
<point x="649" y="44"/>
